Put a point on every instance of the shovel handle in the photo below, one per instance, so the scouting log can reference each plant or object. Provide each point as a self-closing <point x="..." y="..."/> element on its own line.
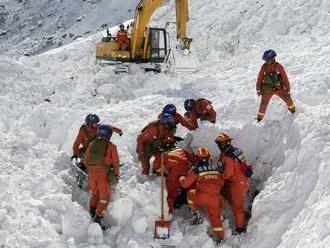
<point x="162" y="182"/>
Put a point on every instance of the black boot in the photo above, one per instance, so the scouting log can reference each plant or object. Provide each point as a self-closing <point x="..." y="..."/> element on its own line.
<point x="100" y="221"/>
<point x="240" y="230"/>
<point x="195" y="218"/>
<point x="92" y="212"/>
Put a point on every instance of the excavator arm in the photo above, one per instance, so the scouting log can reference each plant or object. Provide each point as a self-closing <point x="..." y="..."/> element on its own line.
<point x="144" y="11"/>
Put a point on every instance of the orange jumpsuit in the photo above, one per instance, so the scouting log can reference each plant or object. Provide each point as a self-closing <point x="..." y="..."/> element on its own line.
<point x="97" y="178"/>
<point x="207" y="182"/>
<point x="86" y="134"/>
<point x="235" y="187"/>
<point x="176" y="163"/>
<point x="203" y="110"/>
<point x="283" y="91"/>
<point x="122" y="39"/>
<point x="149" y="142"/>
<point x="180" y="119"/>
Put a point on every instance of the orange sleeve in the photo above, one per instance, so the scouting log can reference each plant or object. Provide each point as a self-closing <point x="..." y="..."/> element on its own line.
<point x="116" y="129"/>
<point x="284" y="77"/>
<point x="112" y="157"/>
<point x="191" y="157"/>
<point x="189" y="180"/>
<point x="149" y="134"/>
<point x="184" y="122"/>
<point x="156" y="164"/>
<point x="212" y="114"/>
<point x="78" y="141"/>
<point x="261" y="77"/>
<point x="229" y="168"/>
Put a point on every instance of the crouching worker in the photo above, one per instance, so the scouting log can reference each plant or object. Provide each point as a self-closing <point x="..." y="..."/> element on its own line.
<point x="236" y="174"/>
<point x="101" y="158"/>
<point x="201" y="109"/>
<point x="176" y="162"/>
<point x="151" y="138"/>
<point x="207" y="181"/>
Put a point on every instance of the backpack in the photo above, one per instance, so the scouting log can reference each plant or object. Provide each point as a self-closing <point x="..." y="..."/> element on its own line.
<point x="98" y="149"/>
<point x="238" y="155"/>
<point x="272" y="80"/>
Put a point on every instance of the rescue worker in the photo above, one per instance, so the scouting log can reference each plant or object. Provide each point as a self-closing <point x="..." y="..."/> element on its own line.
<point x="151" y="137"/>
<point x="272" y="80"/>
<point x="236" y="175"/>
<point x="100" y="157"/>
<point x="86" y="134"/>
<point x="171" y="109"/>
<point x="122" y="38"/>
<point x="201" y="109"/>
<point x="176" y="162"/>
<point x="204" y="181"/>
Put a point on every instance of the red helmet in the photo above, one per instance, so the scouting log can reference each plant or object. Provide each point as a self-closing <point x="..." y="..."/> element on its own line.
<point x="222" y="137"/>
<point x="202" y="153"/>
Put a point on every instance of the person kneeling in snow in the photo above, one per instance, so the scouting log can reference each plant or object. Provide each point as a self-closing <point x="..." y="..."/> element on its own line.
<point x="272" y="80"/>
<point x="207" y="181"/>
<point x="236" y="174"/>
<point x="199" y="109"/>
<point x="86" y="135"/>
<point x="101" y="159"/>
<point x="171" y="110"/>
<point x="151" y="137"/>
<point x="176" y="162"/>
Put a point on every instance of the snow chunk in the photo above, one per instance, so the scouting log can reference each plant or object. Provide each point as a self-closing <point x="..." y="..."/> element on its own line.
<point x="140" y="224"/>
<point x="122" y="210"/>
<point x="95" y="234"/>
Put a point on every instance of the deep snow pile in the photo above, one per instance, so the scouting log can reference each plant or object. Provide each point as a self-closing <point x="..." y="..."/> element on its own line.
<point x="31" y="27"/>
<point x="45" y="98"/>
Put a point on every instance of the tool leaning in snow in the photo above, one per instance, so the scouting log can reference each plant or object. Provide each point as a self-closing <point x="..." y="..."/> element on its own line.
<point x="162" y="226"/>
<point x="81" y="176"/>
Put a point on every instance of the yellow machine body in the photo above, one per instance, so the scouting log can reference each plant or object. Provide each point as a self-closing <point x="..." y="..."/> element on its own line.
<point x="146" y="44"/>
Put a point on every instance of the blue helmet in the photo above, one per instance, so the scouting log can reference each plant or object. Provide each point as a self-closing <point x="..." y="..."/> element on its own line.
<point x="169" y="109"/>
<point x="168" y="121"/>
<point x="189" y="104"/>
<point x="92" y="118"/>
<point x="104" y="130"/>
<point x="268" y="54"/>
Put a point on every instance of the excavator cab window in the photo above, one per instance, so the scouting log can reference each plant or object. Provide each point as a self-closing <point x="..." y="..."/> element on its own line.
<point x="157" y="44"/>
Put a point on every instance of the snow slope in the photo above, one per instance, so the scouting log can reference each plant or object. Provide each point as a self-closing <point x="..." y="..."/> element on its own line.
<point x="31" y="27"/>
<point x="45" y="98"/>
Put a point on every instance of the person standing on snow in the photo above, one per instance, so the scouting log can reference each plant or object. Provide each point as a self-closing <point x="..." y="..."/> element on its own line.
<point x="176" y="162"/>
<point x="205" y="181"/>
<point x="199" y="109"/>
<point x="236" y="175"/>
<point x="122" y="38"/>
<point x="171" y="109"/>
<point x="150" y="139"/>
<point x="86" y="134"/>
<point x="101" y="158"/>
<point x="272" y="80"/>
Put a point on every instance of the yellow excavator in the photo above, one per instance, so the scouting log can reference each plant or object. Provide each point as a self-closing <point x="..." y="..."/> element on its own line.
<point x="146" y="44"/>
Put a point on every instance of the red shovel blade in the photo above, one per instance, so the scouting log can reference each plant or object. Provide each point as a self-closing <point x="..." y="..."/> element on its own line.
<point x="162" y="229"/>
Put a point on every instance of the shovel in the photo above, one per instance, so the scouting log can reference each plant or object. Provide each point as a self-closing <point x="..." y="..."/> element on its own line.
<point x="162" y="227"/>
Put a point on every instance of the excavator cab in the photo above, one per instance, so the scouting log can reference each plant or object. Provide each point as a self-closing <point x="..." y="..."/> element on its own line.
<point x="157" y="45"/>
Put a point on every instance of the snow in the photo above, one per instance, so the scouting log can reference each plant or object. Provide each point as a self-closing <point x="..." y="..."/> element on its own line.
<point x="45" y="98"/>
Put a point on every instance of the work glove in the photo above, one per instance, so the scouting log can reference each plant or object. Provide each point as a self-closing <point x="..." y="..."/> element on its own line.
<point x="249" y="171"/>
<point x="74" y="157"/>
<point x="259" y="93"/>
<point x="178" y="139"/>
